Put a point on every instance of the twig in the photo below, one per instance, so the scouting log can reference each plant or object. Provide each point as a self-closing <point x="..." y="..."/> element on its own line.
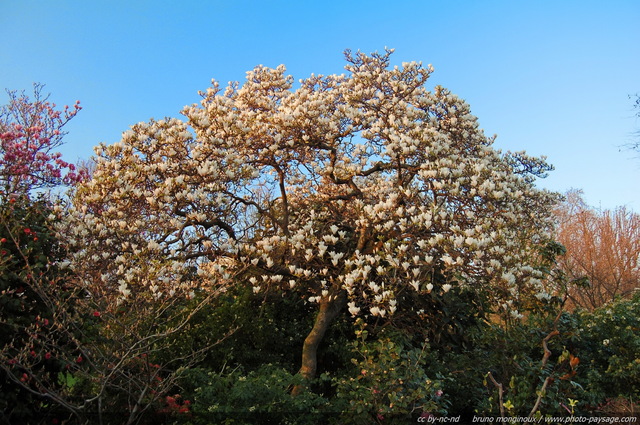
<point x="499" y="386"/>
<point x="548" y="379"/>
<point x="547" y="352"/>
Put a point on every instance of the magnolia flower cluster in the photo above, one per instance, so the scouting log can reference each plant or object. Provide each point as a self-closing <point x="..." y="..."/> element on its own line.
<point x="357" y="186"/>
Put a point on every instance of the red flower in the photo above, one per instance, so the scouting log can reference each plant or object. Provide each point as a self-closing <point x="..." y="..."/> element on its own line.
<point x="96" y="314"/>
<point x="79" y="359"/>
<point x="47" y="356"/>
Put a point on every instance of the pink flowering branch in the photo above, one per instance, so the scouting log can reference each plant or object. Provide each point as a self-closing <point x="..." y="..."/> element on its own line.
<point x="30" y="131"/>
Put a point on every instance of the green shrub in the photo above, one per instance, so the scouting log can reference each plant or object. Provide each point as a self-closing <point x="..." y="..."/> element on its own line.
<point x="593" y="364"/>
<point x="389" y="381"/>
<point x="262" y="396"/>
<point x="607" y="341"/>
<point x="28" y="253"/>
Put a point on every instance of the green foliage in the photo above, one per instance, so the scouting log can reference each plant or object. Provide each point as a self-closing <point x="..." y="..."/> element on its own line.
<point x="262" y="396"/>
<point x="28" y="251"/>
<point x="515" y="359"/>
<point x="254" y="330"/>
<point x="389" y="381"/>
<point x="607" y="341"/>
<point x="447" y="320"/>
<point x="27" y="248"/>
<point x="593" y="362"/>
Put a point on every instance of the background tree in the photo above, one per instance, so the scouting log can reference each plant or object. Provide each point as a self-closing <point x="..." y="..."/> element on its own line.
<point x="354" y="189"/>
<point x="30" y="131"/>
<point x="602" y="251"/>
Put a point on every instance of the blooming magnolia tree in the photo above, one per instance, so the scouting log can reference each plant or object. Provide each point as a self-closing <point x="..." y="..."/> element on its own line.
<point x="354" y="188"/>
<point x="30" y="131"/>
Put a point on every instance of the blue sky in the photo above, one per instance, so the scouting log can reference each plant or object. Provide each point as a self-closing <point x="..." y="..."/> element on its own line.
<point x="549" y="77"/>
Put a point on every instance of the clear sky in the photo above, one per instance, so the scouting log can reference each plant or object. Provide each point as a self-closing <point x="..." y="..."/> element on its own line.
<point x="549" y="77"/>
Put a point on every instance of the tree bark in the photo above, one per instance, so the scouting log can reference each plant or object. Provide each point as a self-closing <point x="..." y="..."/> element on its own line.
<point x="329" y="310"/>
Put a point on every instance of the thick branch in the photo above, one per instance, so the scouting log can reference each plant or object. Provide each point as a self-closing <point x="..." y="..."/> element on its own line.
<point x="207" y="224"/>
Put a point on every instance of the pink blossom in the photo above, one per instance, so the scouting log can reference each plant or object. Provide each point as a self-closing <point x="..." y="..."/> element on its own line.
<point x="27" y="157"/>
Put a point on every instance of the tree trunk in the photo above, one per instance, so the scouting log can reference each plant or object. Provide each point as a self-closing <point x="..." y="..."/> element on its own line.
<point x="329" y="310"/>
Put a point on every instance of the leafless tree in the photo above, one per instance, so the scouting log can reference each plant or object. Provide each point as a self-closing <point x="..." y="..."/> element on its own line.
<point x="603" y="251"/>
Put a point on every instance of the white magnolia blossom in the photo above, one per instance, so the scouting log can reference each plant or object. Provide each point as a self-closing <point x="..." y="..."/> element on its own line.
<point x="349" y="187"/>
<point x="353" y="309"/>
